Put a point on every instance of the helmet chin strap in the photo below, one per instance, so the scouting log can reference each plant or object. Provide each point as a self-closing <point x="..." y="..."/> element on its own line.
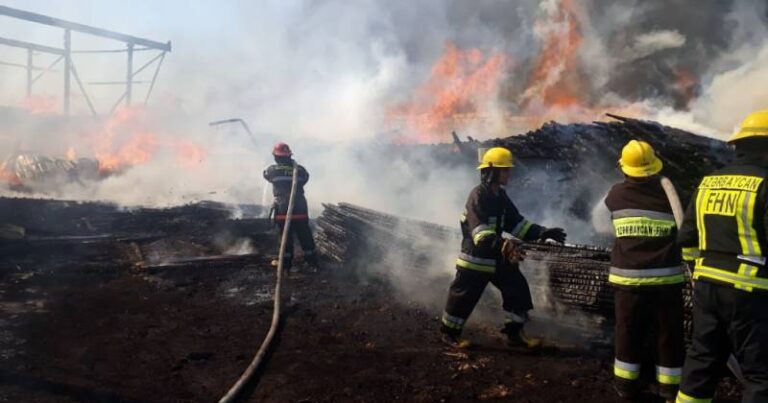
<point x="491" y="176"/>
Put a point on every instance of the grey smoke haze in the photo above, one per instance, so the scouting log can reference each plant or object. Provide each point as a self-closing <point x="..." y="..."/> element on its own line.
<point x="330" y="69"/>
<point x="323" y="74"/>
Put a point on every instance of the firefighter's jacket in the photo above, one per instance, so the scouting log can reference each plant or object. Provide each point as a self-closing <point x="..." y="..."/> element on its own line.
<point x="281" y="176"/>
<point x="644" y="251"/>
<point x="485" y="217"/>
<point x="724" y="231"/>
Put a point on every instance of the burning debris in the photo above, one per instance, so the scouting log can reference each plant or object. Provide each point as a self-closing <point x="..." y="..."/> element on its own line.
<point x="130" y="138"/>
<point x="26" y="170"/>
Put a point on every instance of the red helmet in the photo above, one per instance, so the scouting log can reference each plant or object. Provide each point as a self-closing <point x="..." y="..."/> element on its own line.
<point x="282" y="150"/>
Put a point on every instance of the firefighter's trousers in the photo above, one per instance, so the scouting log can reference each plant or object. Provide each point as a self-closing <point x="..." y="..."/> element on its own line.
<point x="468" y="287"/>
<point x="653" y="315"/>
<point x="726" y="321"/>
<point x="300" y="229"/>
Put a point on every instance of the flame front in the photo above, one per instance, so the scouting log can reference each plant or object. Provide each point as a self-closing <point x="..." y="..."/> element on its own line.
<point x="555" y="80"/>
<point x="189" y="154"/>
<point x="126" y="140"/>
<point x="484" y="93"/>
<point x="462" y="84"/>
<point x="41" y="104"/>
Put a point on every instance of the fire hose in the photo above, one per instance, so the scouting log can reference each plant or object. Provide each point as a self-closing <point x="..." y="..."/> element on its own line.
<point x="677" y="211"/>
<point x="235" y="390"/>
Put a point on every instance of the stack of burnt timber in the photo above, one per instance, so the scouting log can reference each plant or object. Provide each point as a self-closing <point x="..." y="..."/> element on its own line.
<point x="49" y="233"/>
<point x="568" y="168"/>
<point x="575" y="275"/>
<point x="352" y="235"/>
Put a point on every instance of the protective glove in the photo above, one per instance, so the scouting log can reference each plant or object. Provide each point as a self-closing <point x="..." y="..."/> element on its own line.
<point x="512" y="251"/>
<point x="556" y="234"/>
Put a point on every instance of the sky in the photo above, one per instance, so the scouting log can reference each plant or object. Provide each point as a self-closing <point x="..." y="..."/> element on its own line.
<point x="224" y="59"/>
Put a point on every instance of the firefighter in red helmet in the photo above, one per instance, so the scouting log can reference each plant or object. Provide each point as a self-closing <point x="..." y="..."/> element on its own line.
<point x="280" y="175"/>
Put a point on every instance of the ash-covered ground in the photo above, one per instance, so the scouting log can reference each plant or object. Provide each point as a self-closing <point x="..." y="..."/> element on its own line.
<point x="104" y="304"/>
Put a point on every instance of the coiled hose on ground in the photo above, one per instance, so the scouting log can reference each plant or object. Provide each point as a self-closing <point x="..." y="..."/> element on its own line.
<point x="235" y="390"/>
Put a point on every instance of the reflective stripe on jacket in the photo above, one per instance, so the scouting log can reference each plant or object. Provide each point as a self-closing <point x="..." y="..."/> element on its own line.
<point x="486" y="216"/>
<point x="724" y="231"/>
<point x="644" y="251"/>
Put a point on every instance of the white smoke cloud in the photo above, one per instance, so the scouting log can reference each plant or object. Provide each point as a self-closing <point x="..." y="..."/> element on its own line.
<point x="321" y="75"/>
<point x="735" y="93"/>
<point x="651" y="42"/>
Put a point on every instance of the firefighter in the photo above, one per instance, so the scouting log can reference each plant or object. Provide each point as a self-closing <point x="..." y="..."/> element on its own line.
<point x="280" y="175"/>
<point x="724" y="234"/>
<point x="488" y="256"/>
<point x="646" y="273"/>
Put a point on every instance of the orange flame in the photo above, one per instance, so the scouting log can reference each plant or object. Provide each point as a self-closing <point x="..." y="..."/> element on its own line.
<point x="189" y="154"/>
<point x="136" y="150"/>
<point x="130" y="138"/>
<point x="462" y="83"/>
<point x="555" y="78"/>
<point x="125" y="140"/>
<point x="41" y="104"/>
<point x="463" y="91"/>
<point x="71" y="155"/>
<point x="9" y="176"/>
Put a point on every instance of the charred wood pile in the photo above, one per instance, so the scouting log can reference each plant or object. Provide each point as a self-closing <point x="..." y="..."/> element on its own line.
<point x="51" y="233"/>
<point x="576" y="275"/>
<point x="595" y="148"/>
<point x="568" y="168"/>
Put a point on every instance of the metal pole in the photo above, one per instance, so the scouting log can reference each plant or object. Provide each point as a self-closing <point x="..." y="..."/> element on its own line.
<point x="82" y="91"/>
<point x="67" y="68"/>
<point x="129" y="76"/>
<point x="154" y="78"/>
<point x="48" y="69"/>
<point x="30" y="66"/>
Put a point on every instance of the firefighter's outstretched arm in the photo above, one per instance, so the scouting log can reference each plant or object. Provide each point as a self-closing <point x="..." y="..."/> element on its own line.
<point x="526" y="230"/>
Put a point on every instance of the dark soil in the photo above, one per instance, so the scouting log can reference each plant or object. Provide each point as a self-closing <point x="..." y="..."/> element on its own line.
<point x="74" y="330"/>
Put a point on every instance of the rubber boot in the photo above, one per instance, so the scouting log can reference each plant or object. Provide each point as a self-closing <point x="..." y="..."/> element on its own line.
<point x="518" y="340"/>
<point x="312" y="261"/>
<point x="452" y="338"/>
<point x="626" y="389"/>
<point x="668" y="392"/>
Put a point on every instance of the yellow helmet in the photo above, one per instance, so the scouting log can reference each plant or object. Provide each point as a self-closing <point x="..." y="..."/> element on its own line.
<point x="755" y="125"/>
<point x="639" y="160"/>
<point x="496" y="157"/>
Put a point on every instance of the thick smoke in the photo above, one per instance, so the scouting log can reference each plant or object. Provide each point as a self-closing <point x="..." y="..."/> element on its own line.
<point x="324" y="75"/>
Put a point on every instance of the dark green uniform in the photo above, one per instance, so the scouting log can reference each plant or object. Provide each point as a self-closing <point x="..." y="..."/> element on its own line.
<point x="486" y="216"/>
<point x="647" y="275"/>
<point x="724" y="233"/>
